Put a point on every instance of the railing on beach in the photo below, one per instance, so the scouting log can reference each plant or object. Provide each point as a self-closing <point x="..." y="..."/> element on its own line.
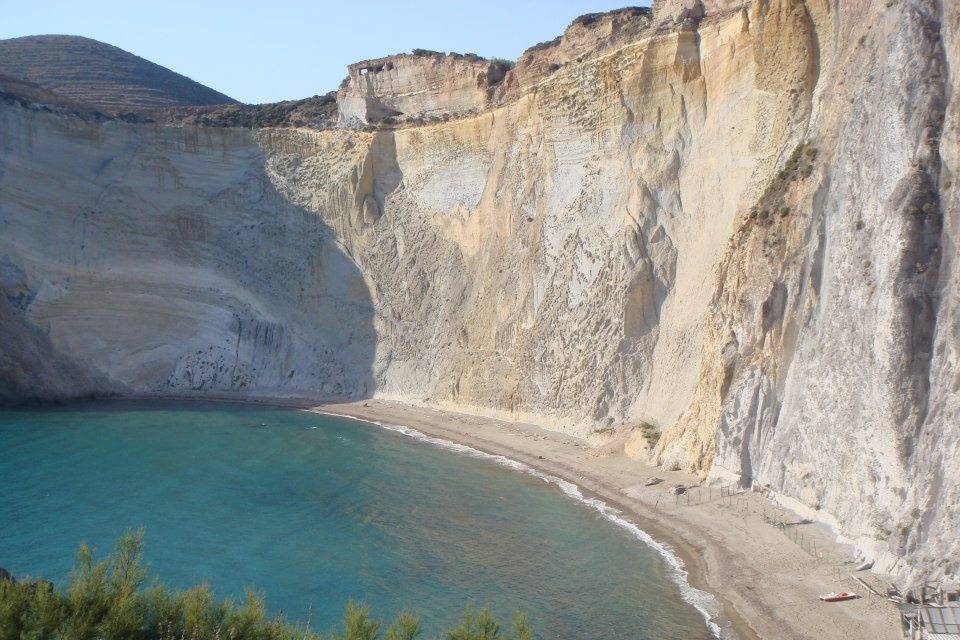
<point x="755" y="505"/>
<point x="745" y="503"/>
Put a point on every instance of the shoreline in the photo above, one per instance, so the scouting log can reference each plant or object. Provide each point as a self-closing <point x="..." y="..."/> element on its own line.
<point x="765" y="584"/>
<point x="700" y="600"/>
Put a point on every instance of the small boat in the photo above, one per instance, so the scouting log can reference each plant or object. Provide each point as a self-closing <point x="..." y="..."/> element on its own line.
<point x="839" y="597"/>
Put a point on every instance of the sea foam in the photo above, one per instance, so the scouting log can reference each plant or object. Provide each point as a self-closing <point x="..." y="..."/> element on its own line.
<point x="702" y="601"/>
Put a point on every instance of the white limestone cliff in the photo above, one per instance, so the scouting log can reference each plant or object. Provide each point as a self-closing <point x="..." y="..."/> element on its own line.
<point x="417" y="86"/>
<point x="732" y="221"/>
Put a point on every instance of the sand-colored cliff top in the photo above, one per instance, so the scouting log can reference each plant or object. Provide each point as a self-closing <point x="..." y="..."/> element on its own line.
<point x="428" y="85"/>
<point x="401" y="89"/>
<point x="422" y="84"/>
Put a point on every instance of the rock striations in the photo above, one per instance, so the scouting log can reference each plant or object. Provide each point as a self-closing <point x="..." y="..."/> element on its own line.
<point x="100" y="74"/>
<point x="417" y="87"/>
<point x="726" y="227"/>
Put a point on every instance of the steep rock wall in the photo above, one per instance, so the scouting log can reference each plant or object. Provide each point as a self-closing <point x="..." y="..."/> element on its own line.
<point x="163" y="260"/>
<point x="733" y="222"/>
<point x="416" y="86"/>
<point x="830" y="349"/>
<point x="548" y="258"/>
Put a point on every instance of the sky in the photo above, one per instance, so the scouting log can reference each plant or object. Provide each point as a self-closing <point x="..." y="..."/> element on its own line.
<point x="270" y="50"/>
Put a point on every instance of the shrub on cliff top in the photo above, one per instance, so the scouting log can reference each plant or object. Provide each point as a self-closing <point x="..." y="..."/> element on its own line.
<point x="106" y="600"/>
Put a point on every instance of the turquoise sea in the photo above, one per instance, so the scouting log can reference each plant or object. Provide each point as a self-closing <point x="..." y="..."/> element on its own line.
<point x="314" y="511"/>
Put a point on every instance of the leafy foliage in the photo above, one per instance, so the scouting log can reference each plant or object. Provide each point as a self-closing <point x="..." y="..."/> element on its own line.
<point x="481" y="626"/>
<point x="650" y="433"/>
<point x="772" y="204"/>
<point x="106" y="600"/>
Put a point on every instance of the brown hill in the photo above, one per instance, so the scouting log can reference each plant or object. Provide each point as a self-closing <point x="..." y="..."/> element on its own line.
<point x="100" y="75"/>
<point x="30" y="94"/>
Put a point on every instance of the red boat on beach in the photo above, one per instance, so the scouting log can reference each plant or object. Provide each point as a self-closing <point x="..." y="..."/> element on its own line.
<point x="839" y="597"/>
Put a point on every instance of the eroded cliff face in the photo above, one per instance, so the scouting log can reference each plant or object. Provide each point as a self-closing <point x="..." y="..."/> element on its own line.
<point x="829" y="370"/>
<point x="416" y="88"/>
<point x="163" y="260"/>
<point x="732" y="221"/>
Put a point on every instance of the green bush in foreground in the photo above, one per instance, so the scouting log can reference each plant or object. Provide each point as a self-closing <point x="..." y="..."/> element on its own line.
<point x="107" y="600"/>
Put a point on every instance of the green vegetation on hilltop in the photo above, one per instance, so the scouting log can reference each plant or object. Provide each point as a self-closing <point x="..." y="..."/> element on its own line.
<point x="108" y="600"/>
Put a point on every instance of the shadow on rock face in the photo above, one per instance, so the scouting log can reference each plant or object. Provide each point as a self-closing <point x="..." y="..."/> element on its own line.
<point x="164" y="261"/>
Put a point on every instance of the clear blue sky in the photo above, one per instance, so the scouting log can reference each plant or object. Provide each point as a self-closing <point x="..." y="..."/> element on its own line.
<point x="269" y="50"/>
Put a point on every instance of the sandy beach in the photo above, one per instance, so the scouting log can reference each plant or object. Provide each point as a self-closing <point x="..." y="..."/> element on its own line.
<point x="766" y="581"/>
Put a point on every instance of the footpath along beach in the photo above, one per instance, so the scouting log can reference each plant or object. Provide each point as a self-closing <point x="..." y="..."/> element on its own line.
<point x="767" y="579"/>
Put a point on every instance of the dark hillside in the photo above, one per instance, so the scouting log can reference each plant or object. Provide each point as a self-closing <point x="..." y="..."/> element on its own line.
<point x="100" y="75"/>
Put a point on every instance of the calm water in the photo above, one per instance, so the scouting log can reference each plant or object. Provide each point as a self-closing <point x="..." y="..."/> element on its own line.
<point x="315" y="511"/>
